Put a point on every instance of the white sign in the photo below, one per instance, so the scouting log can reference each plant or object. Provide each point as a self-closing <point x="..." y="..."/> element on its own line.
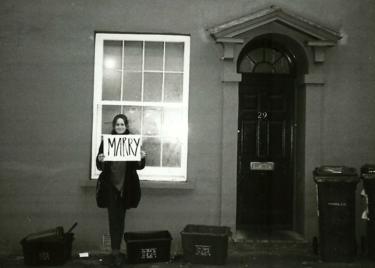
<point x="262" y="165"/>
<point x="122" y="147"/>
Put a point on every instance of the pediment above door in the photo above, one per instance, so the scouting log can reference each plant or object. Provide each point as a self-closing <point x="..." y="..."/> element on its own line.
<point x="231" y="32"/>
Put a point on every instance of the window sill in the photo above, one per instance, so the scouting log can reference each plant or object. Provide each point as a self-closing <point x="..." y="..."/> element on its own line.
<point x="167" y="184"/>
<point x="188" y="185"/>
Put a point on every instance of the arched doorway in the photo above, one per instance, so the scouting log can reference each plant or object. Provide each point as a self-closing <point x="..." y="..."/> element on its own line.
<point x="267" y="137"/>
<point x="309" y="43"/>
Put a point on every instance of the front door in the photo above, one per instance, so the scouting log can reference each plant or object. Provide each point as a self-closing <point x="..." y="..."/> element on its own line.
<point x="265" y="149"/>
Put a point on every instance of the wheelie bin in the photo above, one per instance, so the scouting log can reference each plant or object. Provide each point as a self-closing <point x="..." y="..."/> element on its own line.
<point x="368" y="178"/>
<point x="336" y="187"/>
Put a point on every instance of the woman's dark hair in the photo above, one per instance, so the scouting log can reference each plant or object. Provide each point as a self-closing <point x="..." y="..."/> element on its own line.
<point x="123" y="117"/>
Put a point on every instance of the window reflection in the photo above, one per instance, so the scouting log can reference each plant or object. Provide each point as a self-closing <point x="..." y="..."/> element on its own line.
<point x="152" y="146"/>
<point x="171" y="153"/>
<point x="111" y="84"/>
<point x="154" y="56"/>
<point x="108" y="113"/>
<point x="134" y="117"/>
<point x="133" y="56"/>
<point x="153" y="86"/>
<point x="174" y="56"/>
<point x="152" y="121"/>
<point x="173" y="125"/>
<point x="112" y="54"/>
<point x="132" y="86"/>
<point x="173" y="87"/>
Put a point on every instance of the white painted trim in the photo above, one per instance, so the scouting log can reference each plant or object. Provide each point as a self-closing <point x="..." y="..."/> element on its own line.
<point x="149" y="173"/>
<point x="142" y="104"/>
<point x="96" y="112"/>
<point x="143" y="37"/>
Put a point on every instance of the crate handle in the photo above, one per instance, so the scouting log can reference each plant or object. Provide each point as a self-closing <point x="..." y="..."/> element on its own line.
<point x="71" y="228"/>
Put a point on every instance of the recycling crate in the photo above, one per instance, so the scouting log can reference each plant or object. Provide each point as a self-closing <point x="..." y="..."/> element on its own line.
<point x="48" y="247"/>
<point x="336" y="209"/>
<point x="205" y="244"/>
<point x="368" y="178"/>
<point x="143" y="247"/>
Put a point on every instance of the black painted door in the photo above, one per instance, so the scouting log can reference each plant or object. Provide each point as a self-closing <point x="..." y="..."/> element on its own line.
<point x="265" y="142"/>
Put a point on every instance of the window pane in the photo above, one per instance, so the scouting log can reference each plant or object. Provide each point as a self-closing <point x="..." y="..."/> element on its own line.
<point x="152" y="121"/>
<point x="152" y="147"/>
<point x="257" y="55"/>
<point x="134" y="118"/>
<point x="133" y="56"/>
<point x="174" y="57"/>
<point x="173" y="124"/>
<point x="269" y="55"/>
<point x="173" y="87"/>
<point x="282" y="66"/>
<point x="154" y="56"/>
<point x="108" y="113"/>
<point x="171" y="153"/>
<point x="264" y="67"/>
<point x="111" y="84"/>
<point x="132" y="86"/>
<point x="152" y="86"/>
<point x="246" y="65"/>
<point x="272" y="55"/>
<point x="112" y="54"/>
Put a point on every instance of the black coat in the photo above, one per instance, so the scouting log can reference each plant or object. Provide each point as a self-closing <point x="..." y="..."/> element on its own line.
<point x="132" y="189"/>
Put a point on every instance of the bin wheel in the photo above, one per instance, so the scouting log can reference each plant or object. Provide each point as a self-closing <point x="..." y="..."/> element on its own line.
<point x="315" y="245"/>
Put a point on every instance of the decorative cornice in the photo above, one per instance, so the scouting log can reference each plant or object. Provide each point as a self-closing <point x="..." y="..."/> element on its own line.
<point x="319" y="49"/>
<point x="230" y="40"/>
<point x="232" y="29"/>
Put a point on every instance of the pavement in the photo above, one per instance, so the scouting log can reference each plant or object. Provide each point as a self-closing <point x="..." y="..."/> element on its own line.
<point x="253" y="254"/>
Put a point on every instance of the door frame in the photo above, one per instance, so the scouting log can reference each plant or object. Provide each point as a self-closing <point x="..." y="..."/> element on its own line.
<point x="311" y="41"/>
<point x="309" y="88"/>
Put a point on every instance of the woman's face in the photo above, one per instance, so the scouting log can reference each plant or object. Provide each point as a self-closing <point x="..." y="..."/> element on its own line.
<point x="120" y="127"/>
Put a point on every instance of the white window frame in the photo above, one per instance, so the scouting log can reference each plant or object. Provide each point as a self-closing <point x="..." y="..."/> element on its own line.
<point x="148" y="173"/>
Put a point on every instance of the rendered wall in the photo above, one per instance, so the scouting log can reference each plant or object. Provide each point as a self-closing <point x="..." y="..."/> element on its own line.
<point x="46" y="80"/>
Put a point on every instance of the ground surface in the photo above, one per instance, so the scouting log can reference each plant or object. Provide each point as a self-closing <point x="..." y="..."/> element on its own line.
<point x="240" y="254"/>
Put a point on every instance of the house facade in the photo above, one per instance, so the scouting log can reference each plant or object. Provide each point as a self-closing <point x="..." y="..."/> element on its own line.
<point x="237" y="102"/>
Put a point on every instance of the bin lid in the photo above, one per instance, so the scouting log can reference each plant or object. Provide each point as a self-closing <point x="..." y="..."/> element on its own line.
<point x="368" y="171"/>
<point x="335" y="174"/>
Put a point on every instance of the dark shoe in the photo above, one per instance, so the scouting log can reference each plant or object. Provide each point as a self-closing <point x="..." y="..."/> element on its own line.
<point x="112" y="261"/>
<point x="118" y="260"/>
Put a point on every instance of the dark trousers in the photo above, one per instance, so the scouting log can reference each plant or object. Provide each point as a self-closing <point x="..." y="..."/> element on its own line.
<point x="116" y="216"/>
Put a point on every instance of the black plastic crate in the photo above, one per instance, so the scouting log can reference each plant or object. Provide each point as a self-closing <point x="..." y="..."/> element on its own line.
<point x="145" y="247"/>
<point x="205" y="244"/>
<point x="51" y="251"/>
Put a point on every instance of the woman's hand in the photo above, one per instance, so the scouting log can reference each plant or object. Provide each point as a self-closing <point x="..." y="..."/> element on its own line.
<point x="143" y="154"/>
<point x="101" y="158"/>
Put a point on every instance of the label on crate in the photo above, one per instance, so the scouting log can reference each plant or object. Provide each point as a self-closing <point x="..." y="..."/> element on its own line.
<point x="148" y="253"/>
<point x="44" y="256"/>
<point x="203" y="250"/>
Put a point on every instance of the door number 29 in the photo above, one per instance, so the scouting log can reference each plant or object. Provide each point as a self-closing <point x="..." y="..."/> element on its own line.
<point x="262" y="115"/>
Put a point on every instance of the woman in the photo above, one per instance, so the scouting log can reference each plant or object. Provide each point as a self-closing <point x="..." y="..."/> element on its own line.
<point x="124" y="189"/>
